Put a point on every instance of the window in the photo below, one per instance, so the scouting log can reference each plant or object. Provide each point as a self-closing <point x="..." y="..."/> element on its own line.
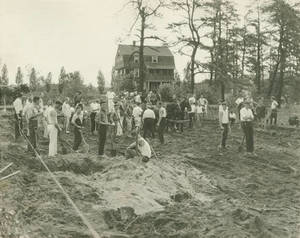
<point x="136" y="58"/>
<point x="154" y="59"/>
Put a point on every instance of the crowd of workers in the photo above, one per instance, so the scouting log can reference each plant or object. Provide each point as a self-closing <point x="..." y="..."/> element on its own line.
<point x="131" y="114"/>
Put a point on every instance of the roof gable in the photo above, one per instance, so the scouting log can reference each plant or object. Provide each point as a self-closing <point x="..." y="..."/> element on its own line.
<point x="148" y="50"/>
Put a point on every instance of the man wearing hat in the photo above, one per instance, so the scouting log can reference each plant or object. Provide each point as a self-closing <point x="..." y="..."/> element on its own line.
<point x="247" y="118"/>
<point x="149" y="121"/>
<point x="102" y="121"/>
<point x="224" y="122"/>
<point x="274" y="106"/>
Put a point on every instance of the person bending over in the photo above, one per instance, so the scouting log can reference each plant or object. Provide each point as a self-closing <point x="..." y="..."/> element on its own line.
<point x="139" y="147"/>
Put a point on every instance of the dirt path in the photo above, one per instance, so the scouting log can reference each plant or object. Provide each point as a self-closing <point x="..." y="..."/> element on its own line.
<point x="193" y="190"/>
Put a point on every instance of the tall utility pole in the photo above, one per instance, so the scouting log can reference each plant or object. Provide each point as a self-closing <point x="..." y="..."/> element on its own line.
<point x="141" y="50"/>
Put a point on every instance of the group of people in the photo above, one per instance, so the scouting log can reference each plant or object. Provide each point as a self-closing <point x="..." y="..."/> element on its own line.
<point x="131" y="114"/>
<point x="120" y="116"/>
<point x="248" y="111"/>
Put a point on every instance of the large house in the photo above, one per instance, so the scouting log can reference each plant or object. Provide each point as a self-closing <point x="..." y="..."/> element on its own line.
<point x="158" y="60"/>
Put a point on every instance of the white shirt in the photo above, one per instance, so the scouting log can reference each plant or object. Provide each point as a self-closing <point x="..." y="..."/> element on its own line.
<point x="137" y="112"/>
<point x="52" y="116"/>
<point x="192" y="100"/>
<point x="224" y="115"/>
<point x="110" y="95"/>
<point x="246" y="114"/>
<point x="138" y="99"/>
<point x="18" y="105"/>
<point x="203" y="101"/>
<point x="66" y="109"/>
<point x="148" y="113"/>
<point x="26" y="107"/>
<point x="274" y="105"/>
<point x="193" y="108"/>
<point x="232" y="115"/>
<point x="162" y="112"/>
<point x="95" y="107"/>
<point x="144" y="147"/>
<point x="239" y="101"/>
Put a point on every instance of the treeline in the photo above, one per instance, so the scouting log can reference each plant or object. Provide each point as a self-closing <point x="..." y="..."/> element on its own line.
<point x="260" y="49"/>
<point x="67" y="84"/>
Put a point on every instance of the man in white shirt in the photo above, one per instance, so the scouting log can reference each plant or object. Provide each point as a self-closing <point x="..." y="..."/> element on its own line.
<point x="148" y="121"/>
<point x="192" y="99"/>
<point x="138" y="98"/>
<point x="66" y="110"/>
<point x="53" y="128"/>
<point x="203" y="103"/>
<point x="224" y="123"/>
<point x="273" y="116"/>
<point x="18" y="106"/>
<point x="140" y="147"/>
<point x="95" y="107"/>
<point x="162" y="121"/>
<point x="192" y="114"/>
<point x="137" y="115"/>
<point x="247" y="118"/>
<point x="239" y="104"/>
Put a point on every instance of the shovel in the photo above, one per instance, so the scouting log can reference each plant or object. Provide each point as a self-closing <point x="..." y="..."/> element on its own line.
<point x="86" y="146"/>
<point x="241" y="146"/>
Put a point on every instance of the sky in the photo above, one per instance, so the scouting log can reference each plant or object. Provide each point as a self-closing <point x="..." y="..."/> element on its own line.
<point x="77" y="34"/>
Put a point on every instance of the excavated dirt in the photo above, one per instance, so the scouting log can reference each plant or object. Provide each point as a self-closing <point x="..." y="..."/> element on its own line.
<point x="191" y="190"/>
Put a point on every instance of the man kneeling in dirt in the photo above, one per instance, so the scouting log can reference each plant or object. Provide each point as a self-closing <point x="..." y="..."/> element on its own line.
<point x="140" y="147"/>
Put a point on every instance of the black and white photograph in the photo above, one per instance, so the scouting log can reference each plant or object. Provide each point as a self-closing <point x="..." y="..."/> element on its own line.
<point x="149" y="119"/>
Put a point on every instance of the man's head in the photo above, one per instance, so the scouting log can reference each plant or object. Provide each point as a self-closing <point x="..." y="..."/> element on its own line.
<point x="36" y="100"/>
<point x="58" y="105"/>
<point x="79" y="108"/>
<point x="103" y="104"/>
<point x="49" y="103"/>
<point x="224" y="104"/>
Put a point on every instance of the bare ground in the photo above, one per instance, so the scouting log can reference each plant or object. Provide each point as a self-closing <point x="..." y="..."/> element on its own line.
<point x="191" y="190"/>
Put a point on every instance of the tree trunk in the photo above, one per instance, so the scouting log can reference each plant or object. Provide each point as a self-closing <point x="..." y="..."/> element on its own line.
<point x="281" y="75"/>
<point x="192" y="69"/>
<point x="141" y="53"/>
<point x="222" y="91"/>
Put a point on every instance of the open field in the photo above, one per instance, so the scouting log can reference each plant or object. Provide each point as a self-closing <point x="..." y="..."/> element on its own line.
<point x="191" y="190"/>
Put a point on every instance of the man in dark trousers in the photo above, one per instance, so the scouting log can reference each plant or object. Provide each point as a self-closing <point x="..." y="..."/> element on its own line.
<point x="32" y="116"/>
<point x="148" y="121"/>
<point x="224" y="123"/>
<point x="247" y="118"/>
<point x="102" y="121"/>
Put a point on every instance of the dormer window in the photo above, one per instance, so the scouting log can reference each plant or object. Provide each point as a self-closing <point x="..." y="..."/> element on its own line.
<point x="136" y="59"/>
<point x="154" y="59"/>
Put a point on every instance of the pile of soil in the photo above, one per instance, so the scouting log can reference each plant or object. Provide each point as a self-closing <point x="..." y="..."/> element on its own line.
<point x="191" y="190"/>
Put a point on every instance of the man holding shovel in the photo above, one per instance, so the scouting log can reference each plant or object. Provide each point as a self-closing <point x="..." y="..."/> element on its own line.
<point x="102" y="120"/>
<point x="224" y="123"/>
<point x="247" y="118"/>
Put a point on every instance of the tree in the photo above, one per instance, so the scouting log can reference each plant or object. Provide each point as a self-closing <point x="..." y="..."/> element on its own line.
<point x="63" y="77"/>
<point x="19" y="77"/>
<point x="145" y="12"/>
<point x="4" y="76"/>
<point x="33" y="80"/>
<point x="48" y="82"/>
<point x="285" y="22"/>
<point x="100" y="82"/>
<point x="188" y="32"/>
